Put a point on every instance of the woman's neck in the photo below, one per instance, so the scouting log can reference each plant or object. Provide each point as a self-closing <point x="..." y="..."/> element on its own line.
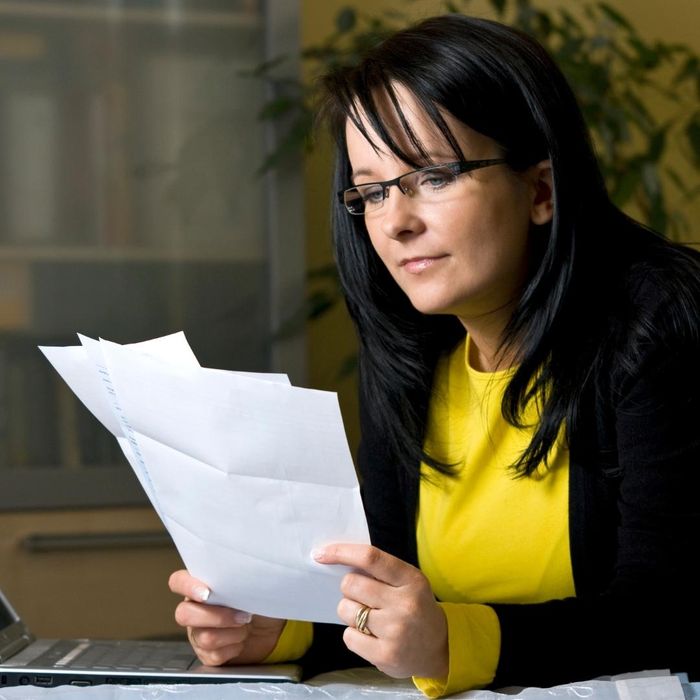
<point x="487" y="353"/>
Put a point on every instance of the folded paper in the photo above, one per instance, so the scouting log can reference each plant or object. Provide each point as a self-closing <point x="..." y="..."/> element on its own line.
<point x="248" y="473"/>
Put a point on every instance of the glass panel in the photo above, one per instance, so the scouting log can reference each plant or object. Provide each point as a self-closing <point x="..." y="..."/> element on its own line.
<point x="130" y="205"/>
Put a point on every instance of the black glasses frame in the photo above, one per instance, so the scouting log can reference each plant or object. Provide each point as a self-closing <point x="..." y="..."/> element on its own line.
<point x="458" y="167"/>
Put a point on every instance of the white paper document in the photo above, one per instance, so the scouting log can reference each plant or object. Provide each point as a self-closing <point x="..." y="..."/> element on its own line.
<point x="248" y="473"/>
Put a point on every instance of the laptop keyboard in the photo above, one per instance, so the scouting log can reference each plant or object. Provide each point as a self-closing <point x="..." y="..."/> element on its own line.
<point x="118" y="656"/>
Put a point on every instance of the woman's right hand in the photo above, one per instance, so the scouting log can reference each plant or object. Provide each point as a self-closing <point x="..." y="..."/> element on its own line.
<point x="221" y="635"/>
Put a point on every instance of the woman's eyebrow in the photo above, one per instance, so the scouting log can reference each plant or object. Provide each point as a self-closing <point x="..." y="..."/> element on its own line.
<point x="361" y="171"/>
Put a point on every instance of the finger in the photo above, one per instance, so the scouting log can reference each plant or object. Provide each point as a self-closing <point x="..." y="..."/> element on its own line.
<point x="375" y="562"/>
<point x="191" y="614"/>
<point x="348" y="610"/>
<point x="184" y="584"/>
<point x="219" y="657"/>
<point x="363" y="645"/>
<point x="212" y="639"/>
<point x="367" y="590"/>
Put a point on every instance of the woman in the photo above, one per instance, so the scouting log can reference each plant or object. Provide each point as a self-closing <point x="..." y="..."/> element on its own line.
<point x="529" y="381"/>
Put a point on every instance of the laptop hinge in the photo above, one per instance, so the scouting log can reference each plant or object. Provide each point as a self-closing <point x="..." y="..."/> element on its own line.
<point x="16" y="645"/>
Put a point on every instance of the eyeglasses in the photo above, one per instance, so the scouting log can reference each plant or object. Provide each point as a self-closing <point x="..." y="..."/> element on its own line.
<point x="423" y="184"/>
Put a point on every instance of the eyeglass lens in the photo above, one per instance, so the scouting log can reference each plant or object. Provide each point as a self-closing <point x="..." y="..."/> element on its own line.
<point x="425" y="184"/>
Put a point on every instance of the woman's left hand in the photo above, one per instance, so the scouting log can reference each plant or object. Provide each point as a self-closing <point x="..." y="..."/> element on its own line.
<point x="408" y="628"/>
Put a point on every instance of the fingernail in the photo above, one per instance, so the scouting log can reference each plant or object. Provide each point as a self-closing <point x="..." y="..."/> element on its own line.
<point x="318" y="553"/>
<point x="201" y="593"/>
<point x="243" y="617"/>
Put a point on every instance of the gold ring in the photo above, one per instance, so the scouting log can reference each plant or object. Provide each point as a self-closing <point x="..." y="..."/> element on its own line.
<point x="361" y="619"/>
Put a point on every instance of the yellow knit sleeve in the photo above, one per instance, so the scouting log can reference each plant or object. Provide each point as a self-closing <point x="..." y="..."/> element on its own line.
<point x="293" y="643"/>
<point x="474" y="643"/>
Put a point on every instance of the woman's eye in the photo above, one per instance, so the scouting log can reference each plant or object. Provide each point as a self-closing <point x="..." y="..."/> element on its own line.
<point x="436" y="180"/>
<point x="373" y="196"/>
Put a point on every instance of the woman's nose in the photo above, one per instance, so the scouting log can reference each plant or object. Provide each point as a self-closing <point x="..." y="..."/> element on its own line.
<point x="399" y="214"/>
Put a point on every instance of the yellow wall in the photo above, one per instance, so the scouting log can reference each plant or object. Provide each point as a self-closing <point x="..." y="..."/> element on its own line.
<point x="332" y="338"/>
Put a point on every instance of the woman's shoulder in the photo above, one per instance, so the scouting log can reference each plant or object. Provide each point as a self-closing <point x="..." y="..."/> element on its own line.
<point x="656" y="318"/>
<point x="653" y="261"/>
<point x="660" y="283"/>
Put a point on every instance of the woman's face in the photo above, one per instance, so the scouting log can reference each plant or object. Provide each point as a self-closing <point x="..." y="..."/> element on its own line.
<point x="466" y="254"/>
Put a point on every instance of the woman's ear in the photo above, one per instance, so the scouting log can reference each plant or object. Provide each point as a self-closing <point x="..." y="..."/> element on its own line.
<point x="542" y="208"/>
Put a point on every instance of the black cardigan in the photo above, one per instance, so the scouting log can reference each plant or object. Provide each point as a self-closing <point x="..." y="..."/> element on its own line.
<point x="634" y="516"/>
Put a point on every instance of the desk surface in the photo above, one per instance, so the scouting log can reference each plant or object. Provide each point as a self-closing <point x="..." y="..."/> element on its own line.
<point x="366" y="683"/>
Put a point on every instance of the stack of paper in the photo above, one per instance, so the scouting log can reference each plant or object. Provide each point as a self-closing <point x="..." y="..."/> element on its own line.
<point x="248" y="473"/>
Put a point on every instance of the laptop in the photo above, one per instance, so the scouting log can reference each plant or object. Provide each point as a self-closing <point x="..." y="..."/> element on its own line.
<point x="25" y="660"/>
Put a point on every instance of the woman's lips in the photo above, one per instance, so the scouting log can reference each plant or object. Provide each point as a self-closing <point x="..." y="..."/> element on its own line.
<point x="419" y="264"/>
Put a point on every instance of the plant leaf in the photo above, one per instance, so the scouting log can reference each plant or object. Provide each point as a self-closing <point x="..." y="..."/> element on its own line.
<point x="570" y="21"/>
<point x="348" y="366"/>
<point x="451" y="7"/>
<point x="615" y="16"/>
<point x="677" y="180"/>
<point x="294" y="140"/>
<point x="499" y="6"/>
<point x="657" y="144"/>
<point x="346" y="20"/>
<point x="689" y="69"/>
<point x="263" y="68"/>
<point x="626" y="186"/>
<point x="648" y="57"/>
<point x="692" y="132"/>
<point x="276" y="108"/>
<point x="638" y="111"/>
<point x="320" y="302"/>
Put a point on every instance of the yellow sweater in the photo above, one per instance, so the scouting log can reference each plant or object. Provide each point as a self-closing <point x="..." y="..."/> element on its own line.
<point x="483" y="536"/>
<point x="486" y="536"/>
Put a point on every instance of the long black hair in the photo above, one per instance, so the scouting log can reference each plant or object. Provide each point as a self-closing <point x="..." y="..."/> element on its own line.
<point x="503" y="84"/>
